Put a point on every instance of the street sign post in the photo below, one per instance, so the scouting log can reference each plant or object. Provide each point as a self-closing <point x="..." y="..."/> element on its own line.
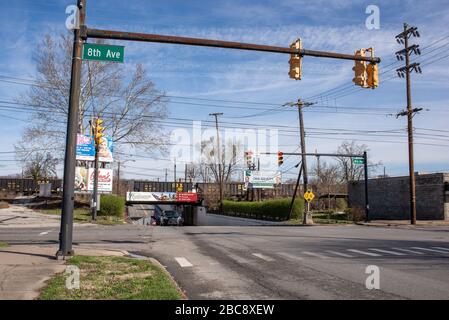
<point x="103" y="52"/>
<point x="358" y="161"/>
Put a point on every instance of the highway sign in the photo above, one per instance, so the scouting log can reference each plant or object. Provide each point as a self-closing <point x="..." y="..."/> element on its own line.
<point x="309" y="196"/>
<point x="358" y="160"/>
<point x="103" y="52"/>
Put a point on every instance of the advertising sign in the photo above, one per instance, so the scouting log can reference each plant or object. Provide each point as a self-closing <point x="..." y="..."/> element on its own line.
<point x="261" y="179"/>
<point x="84" y="179"/>
<point x="151" y="196"/>
<point x="85" y="148"/>
<point x="186" y="196"/>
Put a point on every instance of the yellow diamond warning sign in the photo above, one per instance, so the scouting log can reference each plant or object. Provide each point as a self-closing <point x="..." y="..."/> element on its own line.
<point x="309" y="196"/>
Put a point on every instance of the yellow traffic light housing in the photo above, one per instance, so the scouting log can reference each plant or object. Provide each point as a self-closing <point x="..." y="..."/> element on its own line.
<point x="99" y="131"/>
<point x="372" y="71"/>
<point x="360" y="75"/>
<point x="295" y="61"/>
<point x="280" y="158"/>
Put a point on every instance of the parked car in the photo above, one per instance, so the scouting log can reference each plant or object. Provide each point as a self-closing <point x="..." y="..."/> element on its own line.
<point x="172" y="218"/>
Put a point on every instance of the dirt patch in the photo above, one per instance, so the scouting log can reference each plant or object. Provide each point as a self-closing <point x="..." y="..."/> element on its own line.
<point x="4" y="205"/>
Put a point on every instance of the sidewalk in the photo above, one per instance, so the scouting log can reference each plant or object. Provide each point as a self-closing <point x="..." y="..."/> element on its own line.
<point x="405" y="223"/>
<point x="24" y="269"/>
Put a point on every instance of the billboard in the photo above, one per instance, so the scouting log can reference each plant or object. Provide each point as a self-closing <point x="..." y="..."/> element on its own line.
<point x="186" y="196"/>
<point x="151" y="196"/>
<point x="85" y="148"/>
<point x="261" y="179"/>
<point x="84" y="179"/>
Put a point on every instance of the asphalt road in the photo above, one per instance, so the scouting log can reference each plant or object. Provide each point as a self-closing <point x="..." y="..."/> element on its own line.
<point x="273" y="262"/>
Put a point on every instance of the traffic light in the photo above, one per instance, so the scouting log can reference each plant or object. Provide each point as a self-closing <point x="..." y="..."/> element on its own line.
<point x="359" y="68"/>
<point x="295" y="61"/>
<point x="280" y="158"/>
<point x="372" y="71"/>
<point x="99" y="131"/>
<point x="249" y="158"/>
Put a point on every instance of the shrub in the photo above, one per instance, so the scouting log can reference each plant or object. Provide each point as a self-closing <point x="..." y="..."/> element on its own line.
<point x="111" y="205"/>
<point x="269" y="209"/>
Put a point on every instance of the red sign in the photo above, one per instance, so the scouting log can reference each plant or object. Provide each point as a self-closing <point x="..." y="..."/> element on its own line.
<point x="186" y="197"/>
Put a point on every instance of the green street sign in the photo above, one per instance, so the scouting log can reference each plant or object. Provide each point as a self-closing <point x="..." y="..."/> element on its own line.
<point x="358" y="161"/>
<point x="103" y="52"/>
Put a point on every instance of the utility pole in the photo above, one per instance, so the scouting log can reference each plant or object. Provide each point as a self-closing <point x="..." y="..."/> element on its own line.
<point x="68" y="197"/>
<point x="185" y="173"/>
<point x="95" y="193"/>
<point x="166" y="174"/>
<point x="174" y="170"/>
<point x="403" y="38"/>
<point x="219" y="159"/>
<point x="118" y="179"/>
<point x="307" y="219"/>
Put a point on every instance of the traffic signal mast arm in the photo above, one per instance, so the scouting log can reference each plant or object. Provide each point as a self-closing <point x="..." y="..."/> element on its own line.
<point x="145" y="37"/>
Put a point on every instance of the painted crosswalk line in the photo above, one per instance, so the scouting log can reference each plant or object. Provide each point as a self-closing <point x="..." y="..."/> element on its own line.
<point x="388" y="252"/>
<point x="372" y="254"/>
<point x="341" y="254"/>
<point x="263" y="257"/>
<point x="408" y="250"/>
<point x="430" y="250"/>
<point x="183" y="262"/>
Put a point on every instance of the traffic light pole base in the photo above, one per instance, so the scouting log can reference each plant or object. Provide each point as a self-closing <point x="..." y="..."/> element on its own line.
<point x="307" y="218"/>
<point x="61" y="256"/>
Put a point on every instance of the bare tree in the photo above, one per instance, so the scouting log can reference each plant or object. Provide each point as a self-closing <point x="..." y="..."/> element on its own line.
<point x="348" y="170"/>
<point x="207" y="170"/>
<point x="123" y="96"/>
<point x="41" y="165"/>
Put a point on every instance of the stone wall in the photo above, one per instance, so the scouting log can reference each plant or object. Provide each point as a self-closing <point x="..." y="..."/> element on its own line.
<point x="389" y="198"/>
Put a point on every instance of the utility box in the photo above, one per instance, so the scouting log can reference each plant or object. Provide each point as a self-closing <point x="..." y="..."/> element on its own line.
<point x="45" y="190"/>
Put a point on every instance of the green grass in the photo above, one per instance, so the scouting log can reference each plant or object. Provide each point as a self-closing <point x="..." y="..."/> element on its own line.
<point x="3" y="245"/>
<point x="82" y="215"/>
<point x="113" y="278"/>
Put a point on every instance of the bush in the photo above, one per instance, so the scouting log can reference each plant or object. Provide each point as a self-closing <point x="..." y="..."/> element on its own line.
<point x="269" y="209"/>
<point x="111" y="205"/>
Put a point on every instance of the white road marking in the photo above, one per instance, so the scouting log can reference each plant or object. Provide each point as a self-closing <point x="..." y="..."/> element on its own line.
<point x="313" y="254"/>
<point x="289" y="256"/>
<point x="263" y="257"/>
<point x="408" y="250"/>
<point x="388" y="251"/>
<point x="441" y="248"/>
<point x="183" y="262"/>
<point x="44" y="233"/>
<point x="340" y="254"/>
<point x="365" y="253"/>
<point x="430" y="250"/>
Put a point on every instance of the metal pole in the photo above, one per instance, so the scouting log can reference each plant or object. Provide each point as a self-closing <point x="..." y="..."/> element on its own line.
<point x="365" y="167"/>
<point x="166" y="174"/>
<point x="219" y="158"/>
<point x="294" y="193"/>
<point x="157" y="38"/>
<point x="95" y="193"/>
<point x="304" y="158"/>
<point x="174" y="170"/>
<point x="410" y="131"/>
<point x="118" y="179"/>
<point x="68" y="197"/>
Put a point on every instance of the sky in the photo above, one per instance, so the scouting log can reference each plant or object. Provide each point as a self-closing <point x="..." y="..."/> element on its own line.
<point x="248" y="87"/>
